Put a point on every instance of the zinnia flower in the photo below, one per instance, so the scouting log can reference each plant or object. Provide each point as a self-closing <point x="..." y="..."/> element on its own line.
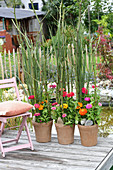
<point x="70" y="94"/>
<point x="87" y="99"/>
<point x="78" y="107"/>
<point x="37" y="105"/>
<point x="64" y="115"/>
<point x="60" y="89"/>
<point x="65" y="106"/>
<point x="80" y="104"/>
<point x="88" y="106"/>
<point x="53" y="104"/>
<point x="100" y="104"/>
<point x="82" y="112"/>
<point x="84" y="90"/>
<point x="64" y="93"/>
<point x="93" y="86"/>
<point x="52" y="86"/>
<point x="31" y="97"/>
<point x="37" y="114"/>
<point x="53" y="108"/>
<point x="41" y="107"/>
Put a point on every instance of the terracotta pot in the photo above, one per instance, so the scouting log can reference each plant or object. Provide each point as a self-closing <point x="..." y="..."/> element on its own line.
<point x="43" y="131"/>
<point x="88" y="135"/>
<point x="65" y="134"/>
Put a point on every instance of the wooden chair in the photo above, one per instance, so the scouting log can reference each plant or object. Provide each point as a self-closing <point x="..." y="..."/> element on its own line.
<point x="6" y="83"/>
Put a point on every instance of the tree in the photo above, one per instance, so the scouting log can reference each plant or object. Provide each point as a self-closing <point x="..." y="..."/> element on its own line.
<point x="97" y="9"/>
<point x="71" y="9"/>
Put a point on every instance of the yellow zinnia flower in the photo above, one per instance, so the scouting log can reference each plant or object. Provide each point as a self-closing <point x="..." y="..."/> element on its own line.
<point x="65" y="106"/>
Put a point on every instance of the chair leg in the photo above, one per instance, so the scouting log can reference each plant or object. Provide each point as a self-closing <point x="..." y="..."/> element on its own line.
<point x="20" y="129"/>
<point x="2" y="127"/>
<point x="1" y="146"/>
<point x="28" y="134"/>
<point x="24" y="123"/>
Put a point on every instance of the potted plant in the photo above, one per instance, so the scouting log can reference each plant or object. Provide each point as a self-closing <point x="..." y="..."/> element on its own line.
<point x="64" y="116"/>
<point x="89" y="116"/>
<point x="43" y="122"/>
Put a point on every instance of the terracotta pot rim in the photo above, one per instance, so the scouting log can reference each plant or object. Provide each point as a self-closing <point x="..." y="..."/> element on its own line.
<point x="82" y="126"/>
<point x="44" y="123"/>
<point x="62" y="125"/>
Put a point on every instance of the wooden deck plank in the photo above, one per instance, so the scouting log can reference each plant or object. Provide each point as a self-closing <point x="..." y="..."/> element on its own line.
<point x="52" y="155"/>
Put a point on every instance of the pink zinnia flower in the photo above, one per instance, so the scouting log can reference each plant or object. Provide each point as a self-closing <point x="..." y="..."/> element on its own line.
<point x="57" y="105"/>
<point x="87" y="99"/>
<point x="37" y="114"/>
<point x="37" y="105"/>
<point x="84" y="90"/>
<point x="88" y="106"/>
<point x="64" y="115"/>
<point x="52" y="86"/>
<point x="31" y="97"/>
<point x="93" y="86"/>
<point x="53" y="104"/>
<point x="53" y="108"/>
<point x="100" y="104"/>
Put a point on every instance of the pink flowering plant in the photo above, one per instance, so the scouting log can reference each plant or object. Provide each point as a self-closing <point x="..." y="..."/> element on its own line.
<point x="42" y="112"/>
<point x="42" y="109"/>
<point x="65" y="112"/>
<point x="89" y="108"/>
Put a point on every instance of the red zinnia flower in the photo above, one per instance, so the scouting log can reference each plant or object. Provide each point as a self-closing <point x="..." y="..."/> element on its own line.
<point x="64" y="93"/>
<point x="52" y="86"/>
<point x="70" y="94"/>
<point x="84" y="90"/>
<point x="31" y="97"/>
<point x="93" y="86"/>
<point x="53" y="104"/>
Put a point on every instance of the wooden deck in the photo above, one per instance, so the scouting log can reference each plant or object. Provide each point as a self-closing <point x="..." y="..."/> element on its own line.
<point x="53" y="156"/>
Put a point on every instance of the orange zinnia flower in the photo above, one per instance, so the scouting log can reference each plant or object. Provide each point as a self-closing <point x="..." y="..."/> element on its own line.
<point x="41" y="107"/>
<point x="82" y="112"/>
<point x="45" y="101"/>
<point x="80" y="104"/>
<point x="42" y="102"/>
<point x="78" y="107"/>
